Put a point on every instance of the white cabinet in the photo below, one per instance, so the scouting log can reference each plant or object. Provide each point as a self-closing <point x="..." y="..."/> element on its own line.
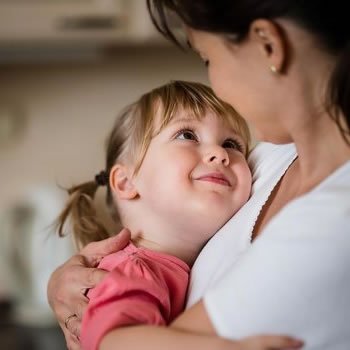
<point x="75" y="25"/>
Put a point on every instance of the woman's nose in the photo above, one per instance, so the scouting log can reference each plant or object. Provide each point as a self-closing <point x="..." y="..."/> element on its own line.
<point x="218" y="155"/>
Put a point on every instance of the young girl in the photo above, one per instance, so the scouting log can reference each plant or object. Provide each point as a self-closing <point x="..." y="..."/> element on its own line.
<point x="175" y="172"/>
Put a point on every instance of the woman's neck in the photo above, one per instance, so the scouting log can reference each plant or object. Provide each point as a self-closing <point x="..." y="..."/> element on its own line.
<point x="321" y="150"/>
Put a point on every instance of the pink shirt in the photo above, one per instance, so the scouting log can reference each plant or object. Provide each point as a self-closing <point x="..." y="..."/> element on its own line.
<point x="143" y="287"/>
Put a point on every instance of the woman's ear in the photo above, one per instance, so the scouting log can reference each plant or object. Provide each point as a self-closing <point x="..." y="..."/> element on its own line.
<point x="121" y="182"/>
<point x="271" y="41"/>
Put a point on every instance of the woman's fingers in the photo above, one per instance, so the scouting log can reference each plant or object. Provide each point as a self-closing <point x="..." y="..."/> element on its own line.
<point x="72" y="324"/>
<point x="89" y="278"/>
<point x="69" y="283"/>
<point x="64" y="286"/>
<point x="72" y="341"/>
<point x="95" y="251"/>
<point x="66" y="293"/>
<point x="271" y="342"/>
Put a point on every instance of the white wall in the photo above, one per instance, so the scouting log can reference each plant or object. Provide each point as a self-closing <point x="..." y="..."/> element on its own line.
<point x="69" y="109"/>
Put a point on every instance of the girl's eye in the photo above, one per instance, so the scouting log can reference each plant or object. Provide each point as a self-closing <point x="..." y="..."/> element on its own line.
<point x="206" y="63"/>
<point x="230" y="143"/>
<point x="186" y="135"/>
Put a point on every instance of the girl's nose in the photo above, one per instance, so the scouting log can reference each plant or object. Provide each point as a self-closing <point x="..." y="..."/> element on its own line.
<point x="218" y="155"/>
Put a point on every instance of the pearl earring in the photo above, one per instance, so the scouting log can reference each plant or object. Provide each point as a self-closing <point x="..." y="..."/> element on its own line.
<point x="273" y="69"/>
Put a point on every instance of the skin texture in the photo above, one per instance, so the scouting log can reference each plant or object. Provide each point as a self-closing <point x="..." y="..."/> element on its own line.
<point x="282" y="107"/>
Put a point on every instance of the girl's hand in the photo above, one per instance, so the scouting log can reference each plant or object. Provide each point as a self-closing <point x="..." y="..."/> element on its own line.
<point x="269" y="342"/>
<point x="69" y="282"/>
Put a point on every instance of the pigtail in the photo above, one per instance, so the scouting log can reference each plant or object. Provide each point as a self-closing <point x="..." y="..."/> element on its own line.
<point x="82" y="213"/>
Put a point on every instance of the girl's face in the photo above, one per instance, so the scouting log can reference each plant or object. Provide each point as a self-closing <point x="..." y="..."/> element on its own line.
<point x="195" y="172"/>
<point x="240" y="76"/>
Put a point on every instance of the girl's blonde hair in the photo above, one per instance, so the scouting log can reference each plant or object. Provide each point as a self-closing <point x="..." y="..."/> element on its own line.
<point x="129" y="139"/>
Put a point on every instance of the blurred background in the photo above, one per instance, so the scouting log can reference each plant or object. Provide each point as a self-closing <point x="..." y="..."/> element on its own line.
<point x="66" y="68"/>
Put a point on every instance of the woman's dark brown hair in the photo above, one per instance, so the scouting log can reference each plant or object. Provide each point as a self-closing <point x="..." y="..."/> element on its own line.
<point x="327" y="20"/>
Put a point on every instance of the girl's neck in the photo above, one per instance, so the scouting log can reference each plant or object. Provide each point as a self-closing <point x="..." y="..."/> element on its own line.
<point x="167" y="232"/>
<point x="182" y="250"/>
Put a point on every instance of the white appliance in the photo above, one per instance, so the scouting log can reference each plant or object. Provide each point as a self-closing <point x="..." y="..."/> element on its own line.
<point x="30" y="250"/>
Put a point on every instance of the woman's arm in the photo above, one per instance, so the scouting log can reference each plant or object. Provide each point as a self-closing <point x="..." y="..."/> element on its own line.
<point x="192" y="330"/>
<point x="153" y="338"/>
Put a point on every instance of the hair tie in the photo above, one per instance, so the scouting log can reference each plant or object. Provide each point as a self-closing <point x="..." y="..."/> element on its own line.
<point x="102" y="178"/>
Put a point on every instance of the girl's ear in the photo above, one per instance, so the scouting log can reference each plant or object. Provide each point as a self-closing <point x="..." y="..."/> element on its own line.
<point x="121" y="182"/>
<point x="271" y="41"/>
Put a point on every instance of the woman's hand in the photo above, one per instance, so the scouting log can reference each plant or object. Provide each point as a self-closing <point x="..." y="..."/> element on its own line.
<point x="69" y="282"/>
<point x="269" y="342"/>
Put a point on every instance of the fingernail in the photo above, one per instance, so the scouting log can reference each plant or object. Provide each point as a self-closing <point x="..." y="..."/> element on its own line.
<point x="296" y="343"/>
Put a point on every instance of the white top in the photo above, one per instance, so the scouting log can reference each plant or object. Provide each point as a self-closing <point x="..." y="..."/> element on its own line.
<point x="268" y="163"/>
<point x="295" y="278"/>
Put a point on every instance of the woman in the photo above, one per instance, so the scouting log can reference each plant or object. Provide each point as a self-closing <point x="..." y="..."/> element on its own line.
<point x="284" y="66"/>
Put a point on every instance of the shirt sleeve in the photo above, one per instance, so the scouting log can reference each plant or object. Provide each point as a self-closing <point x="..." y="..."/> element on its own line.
<point x="295" y="279"/>
<point x="130" y="294"/>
